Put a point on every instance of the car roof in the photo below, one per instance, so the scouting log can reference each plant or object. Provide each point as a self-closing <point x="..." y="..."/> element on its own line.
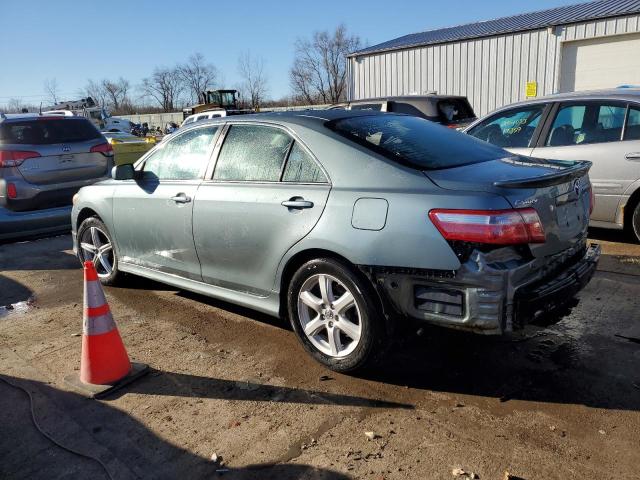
<point x="314" y="119"/>
<point x="8" y="117"/>
<point x="621" y="93"/>
<point x="430" y="96"/>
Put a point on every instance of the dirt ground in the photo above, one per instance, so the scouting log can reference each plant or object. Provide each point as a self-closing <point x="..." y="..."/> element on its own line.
<point x="561" y="402"/>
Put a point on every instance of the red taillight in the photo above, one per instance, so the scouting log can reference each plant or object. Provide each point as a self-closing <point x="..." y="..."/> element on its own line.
<point x="103" y="148"/>
<point x="592" y="200"/>
<point x="14" y="158"/>
<point x="11" y="190"/>
<point x="502" y="227"/>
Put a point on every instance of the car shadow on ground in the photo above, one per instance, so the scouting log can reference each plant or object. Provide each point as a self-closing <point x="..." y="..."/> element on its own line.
<point x="193" y="386"/>
<point x="540" y="367"/>
<point x="12" y="292"/>
<point x="550" y="364"/>
<point x="53" y="253"/>
<point x="609" y="235"/>
<point x="125" y="445"/>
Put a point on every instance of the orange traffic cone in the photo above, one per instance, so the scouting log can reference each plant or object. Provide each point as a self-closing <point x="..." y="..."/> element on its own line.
<point x="104" y="365"/>
<point x="104" y="358"/>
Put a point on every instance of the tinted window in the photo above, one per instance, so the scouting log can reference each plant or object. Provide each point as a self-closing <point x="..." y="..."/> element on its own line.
<point x="302" y="168"/>
<point x="48" y="130"/>
<point x="453" y="110"/>
<point x="632" y="132"/>
<point x="511" y="129"/>
<point x="252" y="153"/>
<point x="367" y="106"/>
<point x="587" y="123"/>
<point x="184" y="157"/>
<point x="415" y="141"/>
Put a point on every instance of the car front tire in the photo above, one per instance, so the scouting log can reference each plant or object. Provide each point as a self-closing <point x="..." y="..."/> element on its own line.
<point x="95" y="244"/>
<point x="635" y="222"/>
<point x="335" y="314"/>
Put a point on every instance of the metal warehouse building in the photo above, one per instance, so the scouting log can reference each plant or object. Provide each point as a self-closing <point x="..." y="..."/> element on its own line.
<point x="497" y="62"/>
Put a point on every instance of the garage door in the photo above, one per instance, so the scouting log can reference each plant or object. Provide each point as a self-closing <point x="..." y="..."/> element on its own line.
<point x="600" y="63"/>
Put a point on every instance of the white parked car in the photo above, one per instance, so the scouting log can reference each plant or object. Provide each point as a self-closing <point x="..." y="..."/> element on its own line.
<point x="198" y="117"/>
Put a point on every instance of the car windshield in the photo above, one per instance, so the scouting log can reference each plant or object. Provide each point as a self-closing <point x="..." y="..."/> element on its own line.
<point x="49" y="130"/>
<point x="415" y="142"/>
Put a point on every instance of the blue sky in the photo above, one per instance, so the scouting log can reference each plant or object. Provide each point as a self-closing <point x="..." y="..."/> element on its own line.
<point x="73" y="41"/>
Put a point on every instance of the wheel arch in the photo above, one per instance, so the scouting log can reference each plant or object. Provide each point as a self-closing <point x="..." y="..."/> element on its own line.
<point x="86" y="212"/>
<point x="629" y="208"/>
<point x="300" y="258"/>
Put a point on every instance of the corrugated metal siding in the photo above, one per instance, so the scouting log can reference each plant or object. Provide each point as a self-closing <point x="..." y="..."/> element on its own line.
<point x="491" y="72"/>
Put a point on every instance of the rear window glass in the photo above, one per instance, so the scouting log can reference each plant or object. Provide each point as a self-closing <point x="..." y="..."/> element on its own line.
<point x="415" y="141"/>
<point x="46" y="131"/>
<point x="454" y="110"/>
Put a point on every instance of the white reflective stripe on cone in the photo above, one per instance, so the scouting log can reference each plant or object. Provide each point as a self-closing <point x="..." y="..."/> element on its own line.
<point x="93" y="294"/>
<point x="98" y="325"/>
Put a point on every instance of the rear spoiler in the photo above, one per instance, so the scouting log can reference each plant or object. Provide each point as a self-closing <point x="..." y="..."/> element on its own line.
<point x="564" y="174"/>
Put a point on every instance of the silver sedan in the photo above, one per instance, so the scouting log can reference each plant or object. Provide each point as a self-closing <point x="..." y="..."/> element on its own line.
<point x="346" y="223"/>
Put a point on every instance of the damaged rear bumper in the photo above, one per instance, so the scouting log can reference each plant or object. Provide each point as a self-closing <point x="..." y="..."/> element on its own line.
<point x="491" y="293"/>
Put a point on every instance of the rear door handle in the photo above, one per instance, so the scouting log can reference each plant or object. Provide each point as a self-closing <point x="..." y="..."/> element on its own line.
<point x="181" y="198"/>
<point x="632" y="156"/>
<point x="297" y="202"/>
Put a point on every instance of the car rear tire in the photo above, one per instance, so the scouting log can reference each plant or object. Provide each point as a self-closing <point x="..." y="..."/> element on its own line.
<point x="96" y="244"/>
<point x="335" y="314"/>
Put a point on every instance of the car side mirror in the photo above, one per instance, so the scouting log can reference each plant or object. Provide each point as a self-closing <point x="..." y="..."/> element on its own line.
<point x="123" y="172"/>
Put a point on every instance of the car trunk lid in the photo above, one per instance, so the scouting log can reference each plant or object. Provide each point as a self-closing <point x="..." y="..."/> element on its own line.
<point x="63" y="163"/>
<point x="558" y="191"/>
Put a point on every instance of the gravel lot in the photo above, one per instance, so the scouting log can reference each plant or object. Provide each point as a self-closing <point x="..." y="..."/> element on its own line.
<point x="558" y="402"/>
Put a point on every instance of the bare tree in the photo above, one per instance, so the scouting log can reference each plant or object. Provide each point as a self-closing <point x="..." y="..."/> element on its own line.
<point x="254" y="78"/>
<point x="319" y="69"/>
<point x="96" y="91"/>
<point x="116" y="92"/>
<point x="51" y="90"/>
<point x="164" y="86"/>
<point x="197" y="75"/>
<point x="14" y="105"/>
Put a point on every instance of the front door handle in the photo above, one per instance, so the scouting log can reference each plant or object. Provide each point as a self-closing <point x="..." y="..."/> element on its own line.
<point x="632" y="156"/>
<point x="181" y="198"/>
<point x="297" y="203"/>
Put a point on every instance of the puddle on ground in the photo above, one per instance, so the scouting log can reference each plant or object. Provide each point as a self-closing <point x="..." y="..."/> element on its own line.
<point x="16" y="308"/>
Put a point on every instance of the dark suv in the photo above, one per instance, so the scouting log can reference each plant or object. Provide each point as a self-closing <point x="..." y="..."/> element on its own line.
<point x="448" y="110"/>
<point x="44" y="161"/>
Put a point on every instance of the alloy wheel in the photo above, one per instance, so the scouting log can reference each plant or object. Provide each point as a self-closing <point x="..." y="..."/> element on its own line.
<point x="329" y="315"/>
<point x="96" y="247"/>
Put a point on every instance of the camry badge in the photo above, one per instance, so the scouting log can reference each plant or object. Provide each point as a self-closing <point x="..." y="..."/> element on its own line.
<point x="66" y="148"/>
<point x="522" y="203"/>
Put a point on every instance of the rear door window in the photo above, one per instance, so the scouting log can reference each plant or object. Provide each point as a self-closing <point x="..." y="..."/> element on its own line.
<point x="46" y="131"/>
<point x="510" y="129"/>
<point x="252" y="153"/>
<point x="184" y="157"/>
<point x="582" y="124"/>
<point x="632" y="130"/>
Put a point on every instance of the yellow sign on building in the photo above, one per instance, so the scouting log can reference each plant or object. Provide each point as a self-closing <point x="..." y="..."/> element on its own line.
<point x="532" y="89"/>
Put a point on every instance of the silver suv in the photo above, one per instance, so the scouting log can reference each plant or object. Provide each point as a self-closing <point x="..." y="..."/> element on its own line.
<point x="44" y="161"/>
<point x="600" y="126"/>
